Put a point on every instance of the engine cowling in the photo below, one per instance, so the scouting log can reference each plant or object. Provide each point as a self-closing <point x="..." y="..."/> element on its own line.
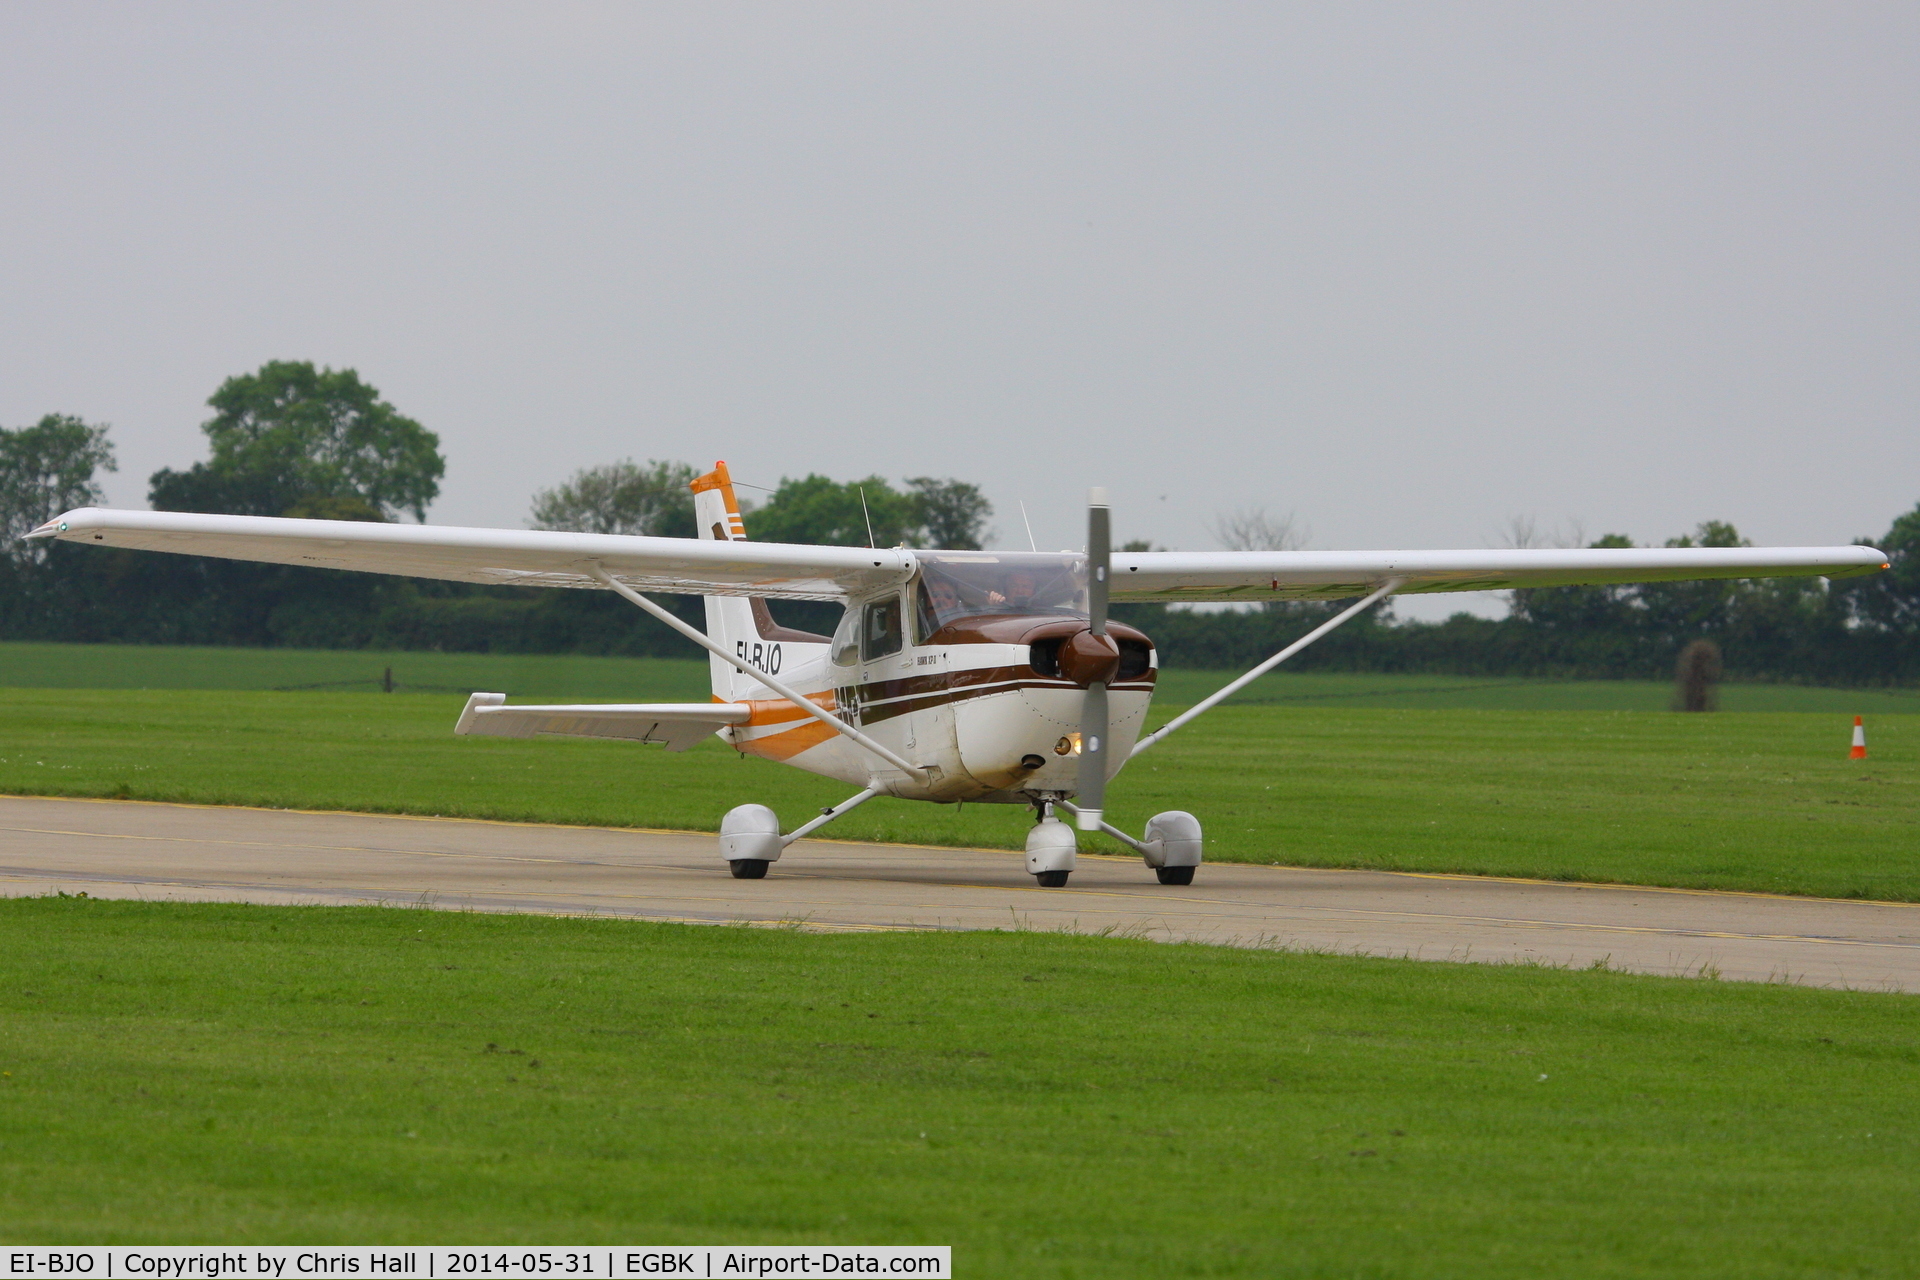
<point x="1021" y="730"/>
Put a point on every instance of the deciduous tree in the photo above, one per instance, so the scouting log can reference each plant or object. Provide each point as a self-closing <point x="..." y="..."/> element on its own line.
<point x="1890" y="601"/>
<point x="48" y="468"/>
<point x="820" y="512"/>
<point x="621" y="497"/>
<point x="291" y="439"/>
<point x="951" y="513"/>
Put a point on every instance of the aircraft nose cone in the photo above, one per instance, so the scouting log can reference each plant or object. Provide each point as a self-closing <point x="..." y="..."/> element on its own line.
<point x="1086" y="658"/>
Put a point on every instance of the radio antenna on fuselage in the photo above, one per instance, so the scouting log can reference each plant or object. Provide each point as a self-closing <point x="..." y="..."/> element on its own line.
<point x="1023" y="520"/>
<point x="867" y="515"/>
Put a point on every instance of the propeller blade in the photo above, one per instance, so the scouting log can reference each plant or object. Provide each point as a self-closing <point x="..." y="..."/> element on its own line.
<point x="1093" y="711"/>
<point x="1099" y="559"/>
<point x="1093" y="757"/>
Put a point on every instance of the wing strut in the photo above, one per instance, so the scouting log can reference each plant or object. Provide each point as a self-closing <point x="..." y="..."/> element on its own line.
<point x="719" y="651"/>
<point x="1385" y="589"/>
<point x="828" y="815"/>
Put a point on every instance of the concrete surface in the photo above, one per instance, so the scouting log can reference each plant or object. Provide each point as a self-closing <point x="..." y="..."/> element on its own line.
<point x="189" y="853"/>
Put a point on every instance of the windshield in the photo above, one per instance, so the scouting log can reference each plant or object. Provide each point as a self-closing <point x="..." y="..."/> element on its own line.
<point x="957" y="584"/>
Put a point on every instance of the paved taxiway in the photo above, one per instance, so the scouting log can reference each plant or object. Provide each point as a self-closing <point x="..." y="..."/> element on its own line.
<point x="180" y="852"/>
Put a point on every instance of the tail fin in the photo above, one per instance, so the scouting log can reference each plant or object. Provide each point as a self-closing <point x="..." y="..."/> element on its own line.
<point x="729" y="618"/>
<point x="742" y="623"/>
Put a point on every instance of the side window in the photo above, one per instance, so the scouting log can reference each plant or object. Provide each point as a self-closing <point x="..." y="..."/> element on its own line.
<point x="928" y="621"/>
<point x="846" y="639"/>
<point x="880" y="629"/>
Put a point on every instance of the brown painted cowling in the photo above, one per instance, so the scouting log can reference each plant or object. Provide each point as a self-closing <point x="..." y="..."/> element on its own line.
<point x="1046" y="637"/>
<point x="1085" y="658"/>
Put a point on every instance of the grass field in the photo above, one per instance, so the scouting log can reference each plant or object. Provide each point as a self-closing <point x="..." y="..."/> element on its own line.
<point x="74" y="666"/>
<point x="1049" y="1105"/>
<point x="1749" y="801"/>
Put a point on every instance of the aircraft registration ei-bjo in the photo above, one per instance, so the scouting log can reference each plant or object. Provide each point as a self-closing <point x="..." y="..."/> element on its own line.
<point x="954" y="675"/>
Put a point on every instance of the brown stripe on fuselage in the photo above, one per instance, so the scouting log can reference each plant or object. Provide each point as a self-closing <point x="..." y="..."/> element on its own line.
<point x="934" y="682"/>
<point x="918" y="693"/>
<point x="927" y="692"/>
<point x="881" y="700"/>
<point x="1023" y="628"/>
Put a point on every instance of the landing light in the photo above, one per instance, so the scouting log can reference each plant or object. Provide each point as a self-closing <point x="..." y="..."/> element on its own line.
<point x="1067" y="746"/>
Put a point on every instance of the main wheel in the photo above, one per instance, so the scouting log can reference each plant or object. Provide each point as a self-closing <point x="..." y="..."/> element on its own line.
<point x="1052" y="879"/>
<point x="1174" y="875"/>
<point x="749" y="868"/>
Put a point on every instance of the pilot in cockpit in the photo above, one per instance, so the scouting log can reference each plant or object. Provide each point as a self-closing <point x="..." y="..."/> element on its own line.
<point x="1016" y="592"/>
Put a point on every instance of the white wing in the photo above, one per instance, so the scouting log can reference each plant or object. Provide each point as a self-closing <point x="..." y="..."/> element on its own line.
<point x="541" y="559"/>
<point x="678" y="725"/>
<point x="1330" y="575"/>
<point x="511" y="557"/>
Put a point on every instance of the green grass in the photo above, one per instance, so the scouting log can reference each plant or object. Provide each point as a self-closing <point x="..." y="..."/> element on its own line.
<point x="1048" y="1105"/>
<point x="131" y="666"/>
<point x="570" y="676"/>
<point x="1493" y="693"/>
<point x="1754" y="801"/>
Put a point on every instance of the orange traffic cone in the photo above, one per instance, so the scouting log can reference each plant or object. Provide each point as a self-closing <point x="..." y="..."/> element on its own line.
<point x="1859" y="751"/>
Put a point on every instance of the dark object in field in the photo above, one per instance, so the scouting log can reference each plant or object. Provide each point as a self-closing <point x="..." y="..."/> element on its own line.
<point x="1696" y="678"/>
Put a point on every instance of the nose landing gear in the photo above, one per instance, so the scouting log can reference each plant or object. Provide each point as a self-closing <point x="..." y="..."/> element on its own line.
<point x="1051" y="848"/>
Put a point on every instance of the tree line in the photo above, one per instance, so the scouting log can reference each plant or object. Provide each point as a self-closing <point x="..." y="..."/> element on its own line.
<point x="291" y="439"/>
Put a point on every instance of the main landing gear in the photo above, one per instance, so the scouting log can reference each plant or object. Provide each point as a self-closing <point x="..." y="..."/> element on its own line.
<point x="750" y="838"/>
<point x="751" y="842"/>
<point x="1172" y="846"/>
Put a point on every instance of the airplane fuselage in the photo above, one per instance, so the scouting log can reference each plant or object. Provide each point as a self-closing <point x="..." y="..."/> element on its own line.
<point x="980" y="703"/>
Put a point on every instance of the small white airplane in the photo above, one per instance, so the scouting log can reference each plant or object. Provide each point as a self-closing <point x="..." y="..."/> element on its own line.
<point x="953" y="675"/>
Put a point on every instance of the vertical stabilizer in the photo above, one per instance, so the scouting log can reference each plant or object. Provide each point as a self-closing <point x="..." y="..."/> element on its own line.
<point x="729" y="618"/>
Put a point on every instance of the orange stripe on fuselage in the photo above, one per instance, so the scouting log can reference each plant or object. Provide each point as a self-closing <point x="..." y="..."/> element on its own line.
<point x="788" y="742"/>
<point x="765" y="711"/>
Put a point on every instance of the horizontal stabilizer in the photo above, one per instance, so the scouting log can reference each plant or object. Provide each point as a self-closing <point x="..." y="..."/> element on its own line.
<point x="677" y="725"/>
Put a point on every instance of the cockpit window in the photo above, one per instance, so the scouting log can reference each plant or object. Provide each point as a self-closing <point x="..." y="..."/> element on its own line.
<point x="954" y="585"/>
<point x="880" y="629"/>
<point x="926" y="619"/>
<point x="846" y="638"/>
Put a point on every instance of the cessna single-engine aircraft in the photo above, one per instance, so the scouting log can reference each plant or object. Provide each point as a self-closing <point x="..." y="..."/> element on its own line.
<point x="953" y="675"/>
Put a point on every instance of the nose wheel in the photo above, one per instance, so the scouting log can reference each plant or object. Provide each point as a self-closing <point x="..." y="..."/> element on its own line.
<point x="1051" y="845"/>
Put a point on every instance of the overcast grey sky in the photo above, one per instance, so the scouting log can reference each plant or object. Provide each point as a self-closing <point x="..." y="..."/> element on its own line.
<point x="1408" y="271"/>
